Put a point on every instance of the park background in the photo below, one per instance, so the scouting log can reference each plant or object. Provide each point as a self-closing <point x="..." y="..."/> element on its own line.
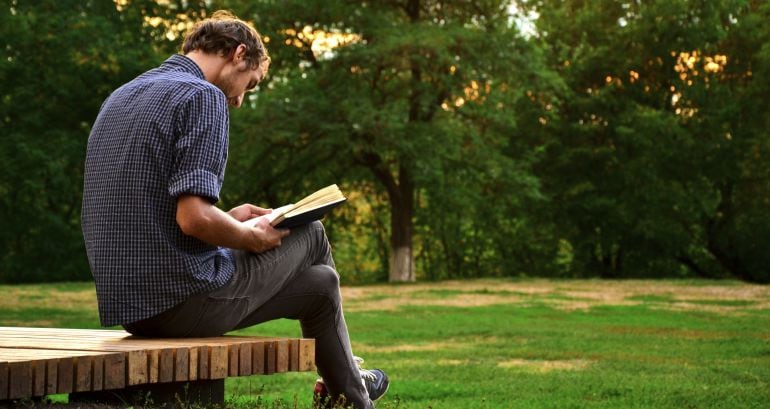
<point x="601" y="138"/>
<point x="616" y="148"/>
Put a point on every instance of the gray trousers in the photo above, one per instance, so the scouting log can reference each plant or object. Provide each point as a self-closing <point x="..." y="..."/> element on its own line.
<point x="296" y="280"/>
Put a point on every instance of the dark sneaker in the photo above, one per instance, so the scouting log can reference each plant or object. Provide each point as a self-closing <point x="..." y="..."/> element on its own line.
<point x="375" y="381"/>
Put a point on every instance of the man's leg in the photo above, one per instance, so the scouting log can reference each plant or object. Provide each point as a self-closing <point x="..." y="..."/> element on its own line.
<point x="295" y="280"/>
<point x="313" y="297"/>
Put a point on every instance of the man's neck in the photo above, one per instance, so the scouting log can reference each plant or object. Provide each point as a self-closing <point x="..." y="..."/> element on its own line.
<point x="210" y="64"/>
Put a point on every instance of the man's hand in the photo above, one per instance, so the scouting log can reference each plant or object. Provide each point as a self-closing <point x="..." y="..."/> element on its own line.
<point x="247" y="211"/>
<point x="264" y="236"/>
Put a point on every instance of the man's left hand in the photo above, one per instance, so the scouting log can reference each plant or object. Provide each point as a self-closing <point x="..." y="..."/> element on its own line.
<point x="247" y="211"/>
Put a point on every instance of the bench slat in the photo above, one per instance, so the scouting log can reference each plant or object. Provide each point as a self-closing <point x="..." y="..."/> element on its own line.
<point x="3" y="380"/>
<point x="20" y="380"/>
<point x="35" y="354"/>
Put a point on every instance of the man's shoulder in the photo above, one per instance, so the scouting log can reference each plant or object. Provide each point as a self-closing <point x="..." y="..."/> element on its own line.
<point x="163" y="91"/>
<point x="179" y="82"/>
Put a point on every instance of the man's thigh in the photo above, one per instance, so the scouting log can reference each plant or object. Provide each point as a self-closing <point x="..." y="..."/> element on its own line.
<point x="257" y="279"/>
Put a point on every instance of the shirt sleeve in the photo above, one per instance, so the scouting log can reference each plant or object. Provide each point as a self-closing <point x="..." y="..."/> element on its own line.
<point x="200" y="151"/>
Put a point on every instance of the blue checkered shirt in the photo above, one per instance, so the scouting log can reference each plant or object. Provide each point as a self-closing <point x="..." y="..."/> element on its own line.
<point x="159" y="136"/>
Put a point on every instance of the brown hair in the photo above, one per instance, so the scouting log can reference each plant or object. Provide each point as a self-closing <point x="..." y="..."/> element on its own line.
<point x="221" y="34"/>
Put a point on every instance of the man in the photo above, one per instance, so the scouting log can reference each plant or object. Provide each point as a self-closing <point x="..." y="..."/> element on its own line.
<point x="166" y="261"/>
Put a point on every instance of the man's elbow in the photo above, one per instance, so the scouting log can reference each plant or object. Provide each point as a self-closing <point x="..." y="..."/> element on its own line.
<point x="191" y="219"/>
<point x="190" y="225"/>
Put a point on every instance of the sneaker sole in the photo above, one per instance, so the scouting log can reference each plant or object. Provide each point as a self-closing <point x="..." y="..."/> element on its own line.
<point x="387" y="387"/>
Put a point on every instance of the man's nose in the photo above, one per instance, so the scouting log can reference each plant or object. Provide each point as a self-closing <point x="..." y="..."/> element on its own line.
<point x="236" y="101"/>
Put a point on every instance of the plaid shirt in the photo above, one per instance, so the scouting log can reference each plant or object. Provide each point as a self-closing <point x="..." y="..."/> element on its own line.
<point x="159" y="136"/>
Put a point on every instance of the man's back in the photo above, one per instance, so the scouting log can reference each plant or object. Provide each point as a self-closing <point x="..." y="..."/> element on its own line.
<point x="159" y="136"/>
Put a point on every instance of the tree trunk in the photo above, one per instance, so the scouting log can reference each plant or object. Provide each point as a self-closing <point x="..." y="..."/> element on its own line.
<point x="401" y="230"/>
<point x="401" y="199"/>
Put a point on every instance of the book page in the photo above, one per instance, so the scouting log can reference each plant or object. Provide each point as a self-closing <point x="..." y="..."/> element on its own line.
<point x="270" y="216"/>
<point x="328" y="194"/>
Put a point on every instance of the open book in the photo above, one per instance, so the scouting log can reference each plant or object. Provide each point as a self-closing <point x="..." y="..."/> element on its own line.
<point x="312" y="207"/>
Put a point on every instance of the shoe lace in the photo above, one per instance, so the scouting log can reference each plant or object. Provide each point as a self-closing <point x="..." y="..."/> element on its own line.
<point x="367" y="375"/>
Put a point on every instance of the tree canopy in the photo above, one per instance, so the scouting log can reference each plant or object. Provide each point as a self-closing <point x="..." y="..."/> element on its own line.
<point x="479" y="138"/>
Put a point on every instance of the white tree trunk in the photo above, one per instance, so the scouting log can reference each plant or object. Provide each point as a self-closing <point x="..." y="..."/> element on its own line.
<point x="402" y="265"/>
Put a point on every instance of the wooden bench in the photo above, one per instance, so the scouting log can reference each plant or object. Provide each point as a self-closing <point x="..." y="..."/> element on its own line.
<point x="99" y="364"/>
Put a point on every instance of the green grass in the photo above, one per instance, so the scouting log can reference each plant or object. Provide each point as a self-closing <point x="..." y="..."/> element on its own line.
<point x="519" y="349"/>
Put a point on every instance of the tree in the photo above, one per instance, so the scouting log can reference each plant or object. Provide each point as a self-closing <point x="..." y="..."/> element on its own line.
<point x="60" y="60"/>
<point x="417" y="103"/>
<point x="653" y="163"/>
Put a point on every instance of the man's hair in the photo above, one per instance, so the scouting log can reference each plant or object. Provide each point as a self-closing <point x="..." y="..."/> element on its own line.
<point x="221" y="34"/>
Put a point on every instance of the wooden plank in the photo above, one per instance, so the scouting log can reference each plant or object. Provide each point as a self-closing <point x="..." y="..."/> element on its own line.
<point x="282" y="356"/>
<point x="232" y="360"/>
<point x="306" y="354"/>
<point x="118" y="344"/>
<point x="38" y="377"/>
<point x="181" y="364"/>
<point x="33" y="354"/>
<point x="244" y="360"/>
<point x="194" y="353"/>
<point x="137" y="369"/>
<point x="153" y="365"/>
<point x="218" y="360"/>
<point x="108" y="337"/>
<point x="258" y="358"/>
<point x="57" y="331"/>
<point x="83" y="372"/>
<point x="115" y="371"/>
<point x="3" y="380"/>
<point x="203" y="363"/>
<point x="166" y="365"/>
<point x="97" y="383"/>
<point x="19" y="380"/>
<point x="293" y="355"/>
<point x="269" y="358"/>
<point x="51" y="376"/>
<point x="66" y="372"/>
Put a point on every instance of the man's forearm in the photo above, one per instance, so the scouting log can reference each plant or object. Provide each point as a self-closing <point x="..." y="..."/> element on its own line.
<point x="204" y="221"/>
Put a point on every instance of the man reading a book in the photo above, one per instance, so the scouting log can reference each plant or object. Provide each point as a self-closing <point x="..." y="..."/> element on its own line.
<point x="166" y="261"/>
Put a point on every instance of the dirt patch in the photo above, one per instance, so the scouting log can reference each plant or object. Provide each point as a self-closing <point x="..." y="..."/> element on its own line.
<point x="32" y="323"/>
<point x="449" y="344"/>
<point x="452" y="362"/>
<point x="561" y="294"/>
<point x="546" y="365"/>
<point x="15" y="298"/>
<point x="435" y="346"/>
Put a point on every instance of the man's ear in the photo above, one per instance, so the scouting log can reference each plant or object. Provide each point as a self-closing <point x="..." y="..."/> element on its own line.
<point x="240" y="53"/>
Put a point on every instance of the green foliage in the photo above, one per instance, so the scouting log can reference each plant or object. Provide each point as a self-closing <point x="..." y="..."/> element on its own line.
<point x="60" y="60"/>
<point x="619" y="138"/>
<point x="655" y="163"/>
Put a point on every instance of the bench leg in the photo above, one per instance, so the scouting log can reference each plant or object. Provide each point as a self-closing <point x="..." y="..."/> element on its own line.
<point x="173" y="394"/>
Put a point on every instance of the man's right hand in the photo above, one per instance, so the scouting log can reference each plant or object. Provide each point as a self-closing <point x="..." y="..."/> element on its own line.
<point x="264" y="237"/>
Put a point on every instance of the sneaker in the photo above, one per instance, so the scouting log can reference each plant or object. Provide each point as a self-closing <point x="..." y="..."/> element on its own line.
<point x="375" y="381"/>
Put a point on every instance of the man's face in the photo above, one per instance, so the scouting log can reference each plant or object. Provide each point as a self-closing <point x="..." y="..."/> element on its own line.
<point x="239" y="79"/>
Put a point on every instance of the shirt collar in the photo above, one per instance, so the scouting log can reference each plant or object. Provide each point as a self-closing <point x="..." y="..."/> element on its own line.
<point x="179" y="62"/>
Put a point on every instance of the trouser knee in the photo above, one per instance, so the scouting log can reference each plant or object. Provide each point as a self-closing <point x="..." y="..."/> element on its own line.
<point x="328" y="282"/>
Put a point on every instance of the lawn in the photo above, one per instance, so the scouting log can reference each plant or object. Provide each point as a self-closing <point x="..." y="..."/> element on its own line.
<point x="504" y="343"/>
